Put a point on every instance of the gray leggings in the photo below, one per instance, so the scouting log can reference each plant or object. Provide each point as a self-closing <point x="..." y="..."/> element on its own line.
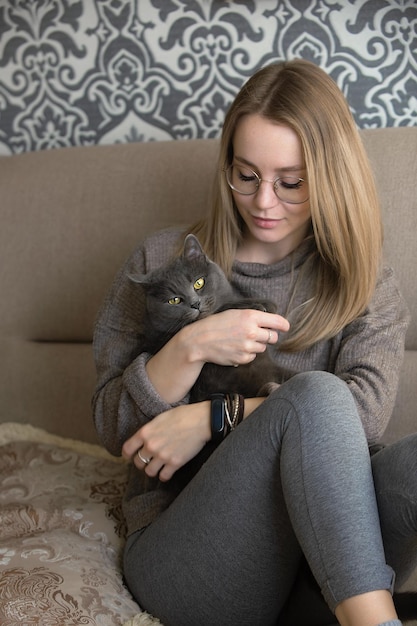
<point x="294" y="478"/>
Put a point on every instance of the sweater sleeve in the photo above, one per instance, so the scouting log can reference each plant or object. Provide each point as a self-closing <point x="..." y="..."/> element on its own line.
<point x="124" y="398"/>
<point x="371" y="353"/>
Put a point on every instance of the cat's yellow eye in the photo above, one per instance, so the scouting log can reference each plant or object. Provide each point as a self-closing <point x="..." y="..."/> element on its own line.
<point x="174" y="300"/>
<point x="199" y="283"/>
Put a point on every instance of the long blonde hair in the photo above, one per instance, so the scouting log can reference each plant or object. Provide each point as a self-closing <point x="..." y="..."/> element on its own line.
<point x="345" y="213"/>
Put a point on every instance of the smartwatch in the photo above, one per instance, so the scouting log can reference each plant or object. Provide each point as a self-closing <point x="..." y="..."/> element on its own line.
<point x="218" y="417"/>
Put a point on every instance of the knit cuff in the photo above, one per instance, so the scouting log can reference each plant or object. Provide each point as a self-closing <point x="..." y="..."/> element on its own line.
<point x="144" y="394"/>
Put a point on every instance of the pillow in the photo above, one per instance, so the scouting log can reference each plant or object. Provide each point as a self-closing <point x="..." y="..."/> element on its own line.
<point x="61" y="533"/>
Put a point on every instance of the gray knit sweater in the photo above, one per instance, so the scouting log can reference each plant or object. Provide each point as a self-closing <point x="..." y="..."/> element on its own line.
<point x="367" y="354"/>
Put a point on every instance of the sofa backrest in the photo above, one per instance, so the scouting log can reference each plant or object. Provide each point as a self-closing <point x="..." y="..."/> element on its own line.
<point x="69" y="219"/>
<point x="393" y="154"/>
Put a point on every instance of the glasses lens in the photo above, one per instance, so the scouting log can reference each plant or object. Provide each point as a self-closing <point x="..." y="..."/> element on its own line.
<point x="291" y="190"/>
<point x="288" y="188"/>
<point x="242" y="180"/>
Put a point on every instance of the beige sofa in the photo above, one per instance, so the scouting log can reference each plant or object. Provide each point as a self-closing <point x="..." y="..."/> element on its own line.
<point x="68" y="220"/>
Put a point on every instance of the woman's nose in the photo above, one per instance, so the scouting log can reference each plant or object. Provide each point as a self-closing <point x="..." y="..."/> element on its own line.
<point x="266" y="197"/>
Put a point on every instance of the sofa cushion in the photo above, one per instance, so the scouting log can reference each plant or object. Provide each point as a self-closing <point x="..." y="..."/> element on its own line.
<point x="61" y="532"/>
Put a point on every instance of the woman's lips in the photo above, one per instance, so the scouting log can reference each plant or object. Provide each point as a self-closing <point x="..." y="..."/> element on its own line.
<point x="262" y="222"/>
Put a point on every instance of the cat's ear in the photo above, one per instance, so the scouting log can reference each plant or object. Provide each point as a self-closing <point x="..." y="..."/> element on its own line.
<point x="141" y="279"/>
<point x="192" y="248"/>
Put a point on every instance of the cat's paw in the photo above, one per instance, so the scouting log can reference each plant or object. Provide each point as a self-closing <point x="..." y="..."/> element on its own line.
<point x="267" y="306"/>
<point x="267" y="389"/>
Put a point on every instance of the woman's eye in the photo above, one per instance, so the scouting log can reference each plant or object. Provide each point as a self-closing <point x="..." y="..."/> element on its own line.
<point x="175" y="300"/>
<point x="291" y="183"/>
<point x="199" y="283"/>
<point x="246" y="178"/>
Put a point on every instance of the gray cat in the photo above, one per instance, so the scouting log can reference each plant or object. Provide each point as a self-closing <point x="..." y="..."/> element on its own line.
<point x="192" y="287"/>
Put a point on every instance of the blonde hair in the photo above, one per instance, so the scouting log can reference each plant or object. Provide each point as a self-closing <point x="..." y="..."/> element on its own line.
<point x="345" y="213"/>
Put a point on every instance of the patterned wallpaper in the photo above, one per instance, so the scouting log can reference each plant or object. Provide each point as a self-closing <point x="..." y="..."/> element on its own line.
<point x="78" y="72"/>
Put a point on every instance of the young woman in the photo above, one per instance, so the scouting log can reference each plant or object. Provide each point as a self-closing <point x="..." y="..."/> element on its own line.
<point x="296" y="220"/>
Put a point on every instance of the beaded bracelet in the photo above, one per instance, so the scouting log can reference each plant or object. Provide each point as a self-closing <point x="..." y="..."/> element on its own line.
<point x="235" y="405"/>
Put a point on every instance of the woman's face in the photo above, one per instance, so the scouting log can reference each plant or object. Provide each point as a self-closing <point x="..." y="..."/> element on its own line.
<point x="273" y="227"/>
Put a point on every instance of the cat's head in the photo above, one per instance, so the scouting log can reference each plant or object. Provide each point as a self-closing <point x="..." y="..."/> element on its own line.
<point x="188" y="288"/>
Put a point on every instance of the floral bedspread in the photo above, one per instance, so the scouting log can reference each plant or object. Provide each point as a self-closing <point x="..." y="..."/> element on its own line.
<point x="61" y="537"/>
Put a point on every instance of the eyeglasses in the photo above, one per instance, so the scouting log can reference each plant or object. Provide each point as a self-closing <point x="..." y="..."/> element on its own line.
<point x="247" y="182"/>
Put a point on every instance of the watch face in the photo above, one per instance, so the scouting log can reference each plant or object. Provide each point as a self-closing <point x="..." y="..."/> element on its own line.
<point x="218" y="424"/>
<point x="217" y="417"/>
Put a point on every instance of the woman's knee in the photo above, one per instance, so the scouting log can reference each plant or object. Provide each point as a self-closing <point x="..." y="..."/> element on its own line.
<point x="318" y="382"/>
<point x="319" y="389"/>
<point x="321" y="403"/>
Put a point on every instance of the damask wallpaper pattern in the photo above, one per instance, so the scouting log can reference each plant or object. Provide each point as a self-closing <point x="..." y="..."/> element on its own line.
<point x="79" y="72"/>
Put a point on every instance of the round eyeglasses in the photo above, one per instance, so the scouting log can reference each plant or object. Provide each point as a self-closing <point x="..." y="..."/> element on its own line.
<point x="245" y="181"/>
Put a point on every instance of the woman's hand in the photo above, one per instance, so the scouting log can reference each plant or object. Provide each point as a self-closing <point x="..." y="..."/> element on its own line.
<point x="234" y="337"/>
<point x="174" y="437"/>
<point x="170" y="440"/>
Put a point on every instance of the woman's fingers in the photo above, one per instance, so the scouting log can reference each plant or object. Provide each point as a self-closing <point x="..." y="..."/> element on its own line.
<point x="170" y="440"/>
<point x="237" y="335"/>
<point x="132" y="446"/>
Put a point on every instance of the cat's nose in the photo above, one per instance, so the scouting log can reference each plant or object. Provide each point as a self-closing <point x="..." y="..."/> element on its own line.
<point x="195" y="305"/>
